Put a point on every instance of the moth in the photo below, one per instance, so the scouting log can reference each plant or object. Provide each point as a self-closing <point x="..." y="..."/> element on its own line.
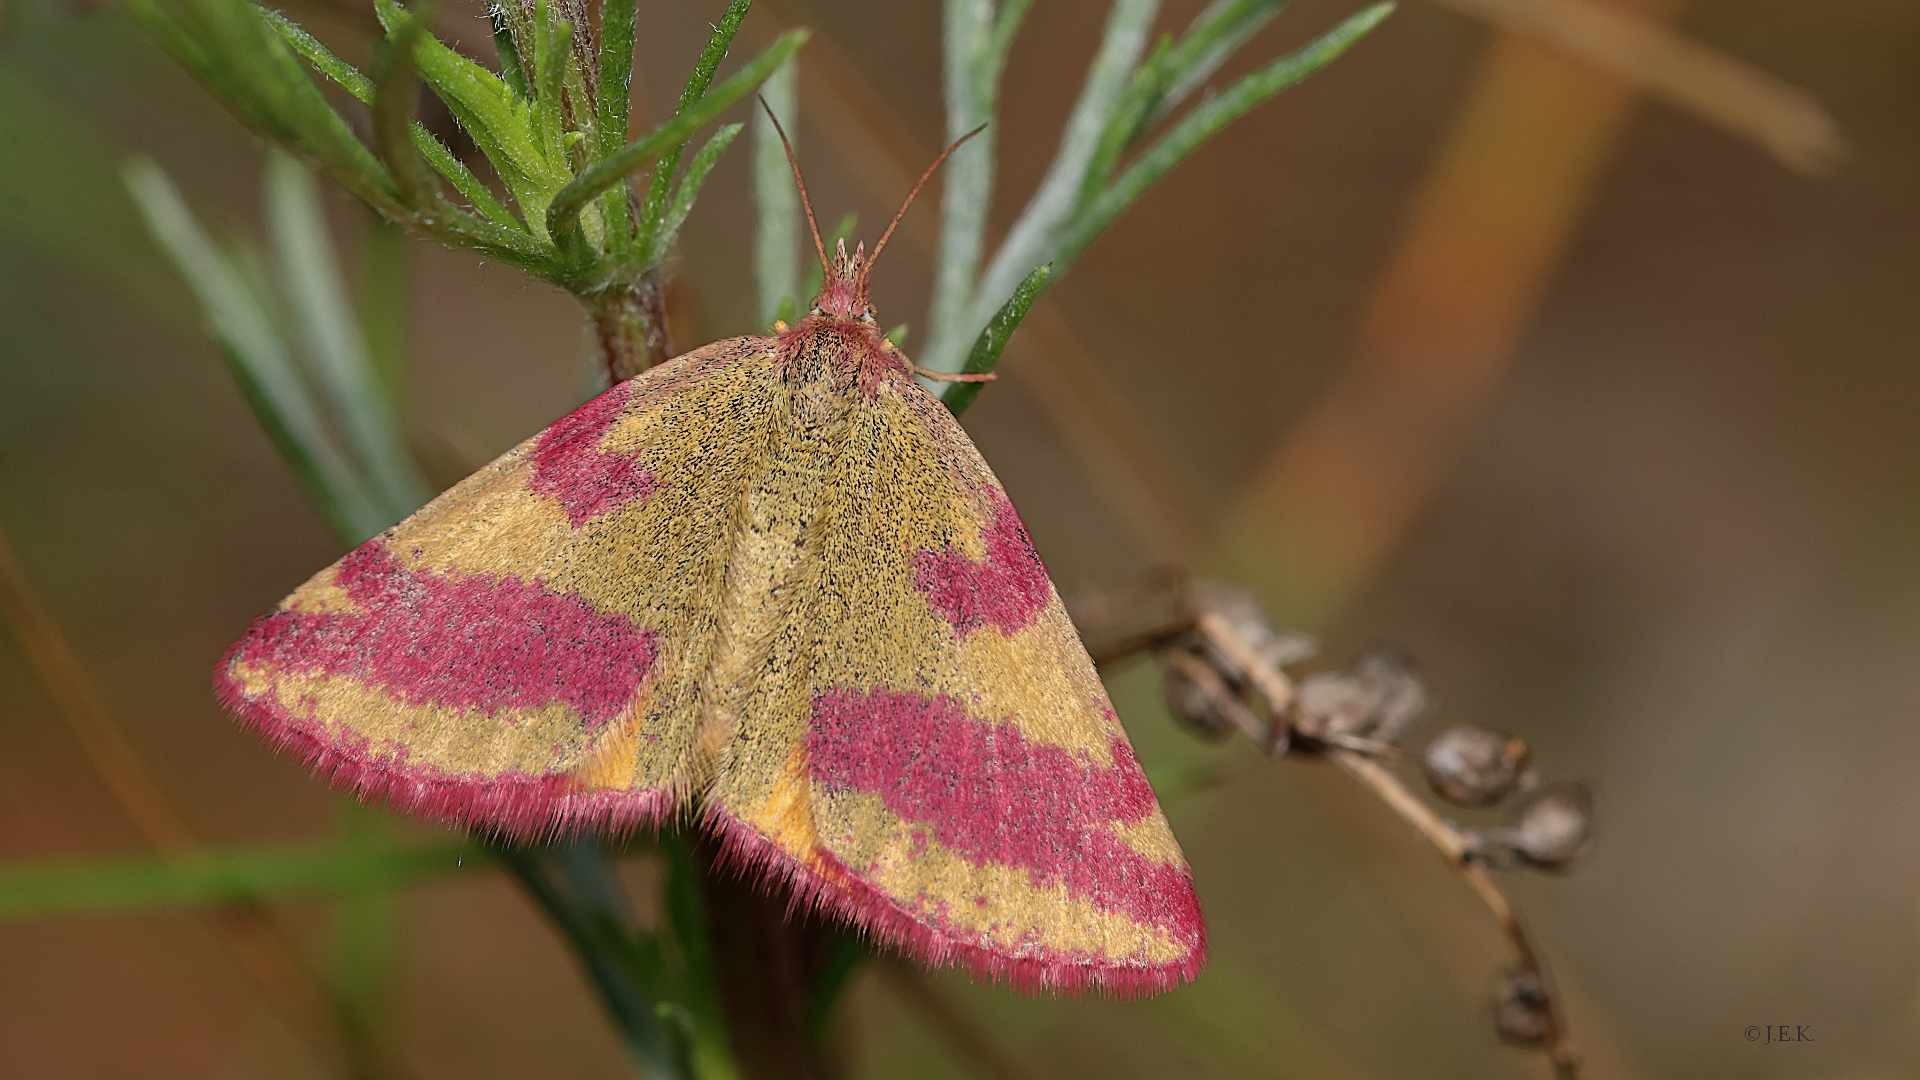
<point x="772" y="584"/>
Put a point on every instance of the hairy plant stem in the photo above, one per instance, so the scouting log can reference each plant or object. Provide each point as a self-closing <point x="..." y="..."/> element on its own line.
<point x="630" y="325"/>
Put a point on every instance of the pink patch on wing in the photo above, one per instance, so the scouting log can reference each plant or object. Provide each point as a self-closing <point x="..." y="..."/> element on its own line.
<point x="990" y="795"/>
<point x="569" y="465"/>
<point x="1007" y="590"/>
<point x="466" y="641"/>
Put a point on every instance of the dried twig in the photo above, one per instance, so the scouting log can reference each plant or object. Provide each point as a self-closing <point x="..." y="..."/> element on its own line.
<point x="1223" y="655"/>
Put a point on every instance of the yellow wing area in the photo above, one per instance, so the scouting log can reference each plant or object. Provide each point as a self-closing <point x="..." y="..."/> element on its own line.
<point x="525" y="650"/>
<point x="926" y="745"/>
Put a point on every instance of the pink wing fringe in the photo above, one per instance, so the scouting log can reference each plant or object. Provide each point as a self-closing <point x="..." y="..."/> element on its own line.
<point x="514" y="805"/>
<point x="845" y="897"/>
<point x="537" y="808"/>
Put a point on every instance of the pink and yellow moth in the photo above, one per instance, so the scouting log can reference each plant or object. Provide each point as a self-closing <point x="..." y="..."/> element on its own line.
<point x="771" y="582"/>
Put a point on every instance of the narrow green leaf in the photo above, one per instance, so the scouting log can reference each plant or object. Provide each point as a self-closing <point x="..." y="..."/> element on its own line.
<point x="972" y="66"/>
<point x="776" y="201"/>
<point x="653" y="207"/>
<point x="987" y="348"/>
<point x="259" y="357"/>
<point x="65" y="887"/>
<point x="553" y="38"/>
<point x="335" y="344"/>
<point x="689" y="189"/>
<point x="364" y="928"/>
<point x="1205" y="120"/>
<point x="1143" y="91"/>
<point x="512" y="72"/>
<point x="1172" y="73"/>
<point x="499" y="121"/>
<point x="564" y="212"/>
<point x="617" y="20"/>
<point x="348" y="78"/>
<point x="1006" y="25"/>
<point x="1035" y="234"/>
<point x="1216" y="33"/>
<point x="338" y="71"/>
<point x="281" y="101"/>
<point x="394" y="87"/>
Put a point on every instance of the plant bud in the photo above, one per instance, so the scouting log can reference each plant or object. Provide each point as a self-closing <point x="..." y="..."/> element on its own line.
<point x="1554" y="827"/>
<point x="1520" y="1009"/>
<point x="1378" y="699"/>
<point x="1470" y="765"/>
<point x="1331" y="703"/>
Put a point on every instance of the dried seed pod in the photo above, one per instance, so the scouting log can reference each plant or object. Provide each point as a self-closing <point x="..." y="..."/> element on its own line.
<point x="1194" y="705"/>
<point x="1331" y="703"/>
<point x="1553" y="828"/>
<point x="1391" y="673"/>
<point x="1520" y="1005"/>
<point x="1469" y="765"/>
<point x="1242" y="614"/>
<point x="1379" y="698"/>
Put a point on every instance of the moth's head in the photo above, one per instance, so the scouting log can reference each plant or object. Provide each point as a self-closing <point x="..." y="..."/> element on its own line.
<point x="844" y="296"/>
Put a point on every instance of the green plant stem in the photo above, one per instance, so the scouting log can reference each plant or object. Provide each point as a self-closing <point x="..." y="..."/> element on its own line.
<point x="630" y="325"/>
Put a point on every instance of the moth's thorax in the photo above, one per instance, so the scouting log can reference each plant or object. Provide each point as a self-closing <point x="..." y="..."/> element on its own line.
<point x="838" y="347"/>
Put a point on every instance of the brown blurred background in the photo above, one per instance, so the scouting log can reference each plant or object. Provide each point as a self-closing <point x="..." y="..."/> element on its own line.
<point x="1604" y="412"/>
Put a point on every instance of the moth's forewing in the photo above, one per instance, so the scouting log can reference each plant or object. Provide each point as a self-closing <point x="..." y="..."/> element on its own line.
<point x="522" y="653"/>
<point x="931" y="752"/>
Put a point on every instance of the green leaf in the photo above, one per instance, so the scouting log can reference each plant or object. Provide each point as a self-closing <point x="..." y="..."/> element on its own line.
<point x="564" y="212"/>
<point x="654" y="206"/>
<point x="273" y="93"/>
<point x="335" y="346"/>
<point x="617" y="19"/>
<point x="1172" y="73"/>
<point x="394" y="90"/>
<point x="987" y="348"/>
<point x="499" y="121"/>
<point x="1215" y="35"/>
<point x="260" y="359"/>
<point x="552" y="37"/>
<point x="1207" y="119"/>
<point x="348" y="78"/>
<point x="776" y="200"/>
<point x="364" y="928"/>
<point x="976" y="43"/>
<point x="511" y="71"/>
<point x="689" y="189"/>
<point x="383" y="306"/>
<point x="65" y="887"/>
<point x="1035" y="234"/>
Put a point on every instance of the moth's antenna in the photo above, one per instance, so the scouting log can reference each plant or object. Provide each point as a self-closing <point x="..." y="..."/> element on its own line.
<point x="924" y="177"/>
<point x="818" y="247"/>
